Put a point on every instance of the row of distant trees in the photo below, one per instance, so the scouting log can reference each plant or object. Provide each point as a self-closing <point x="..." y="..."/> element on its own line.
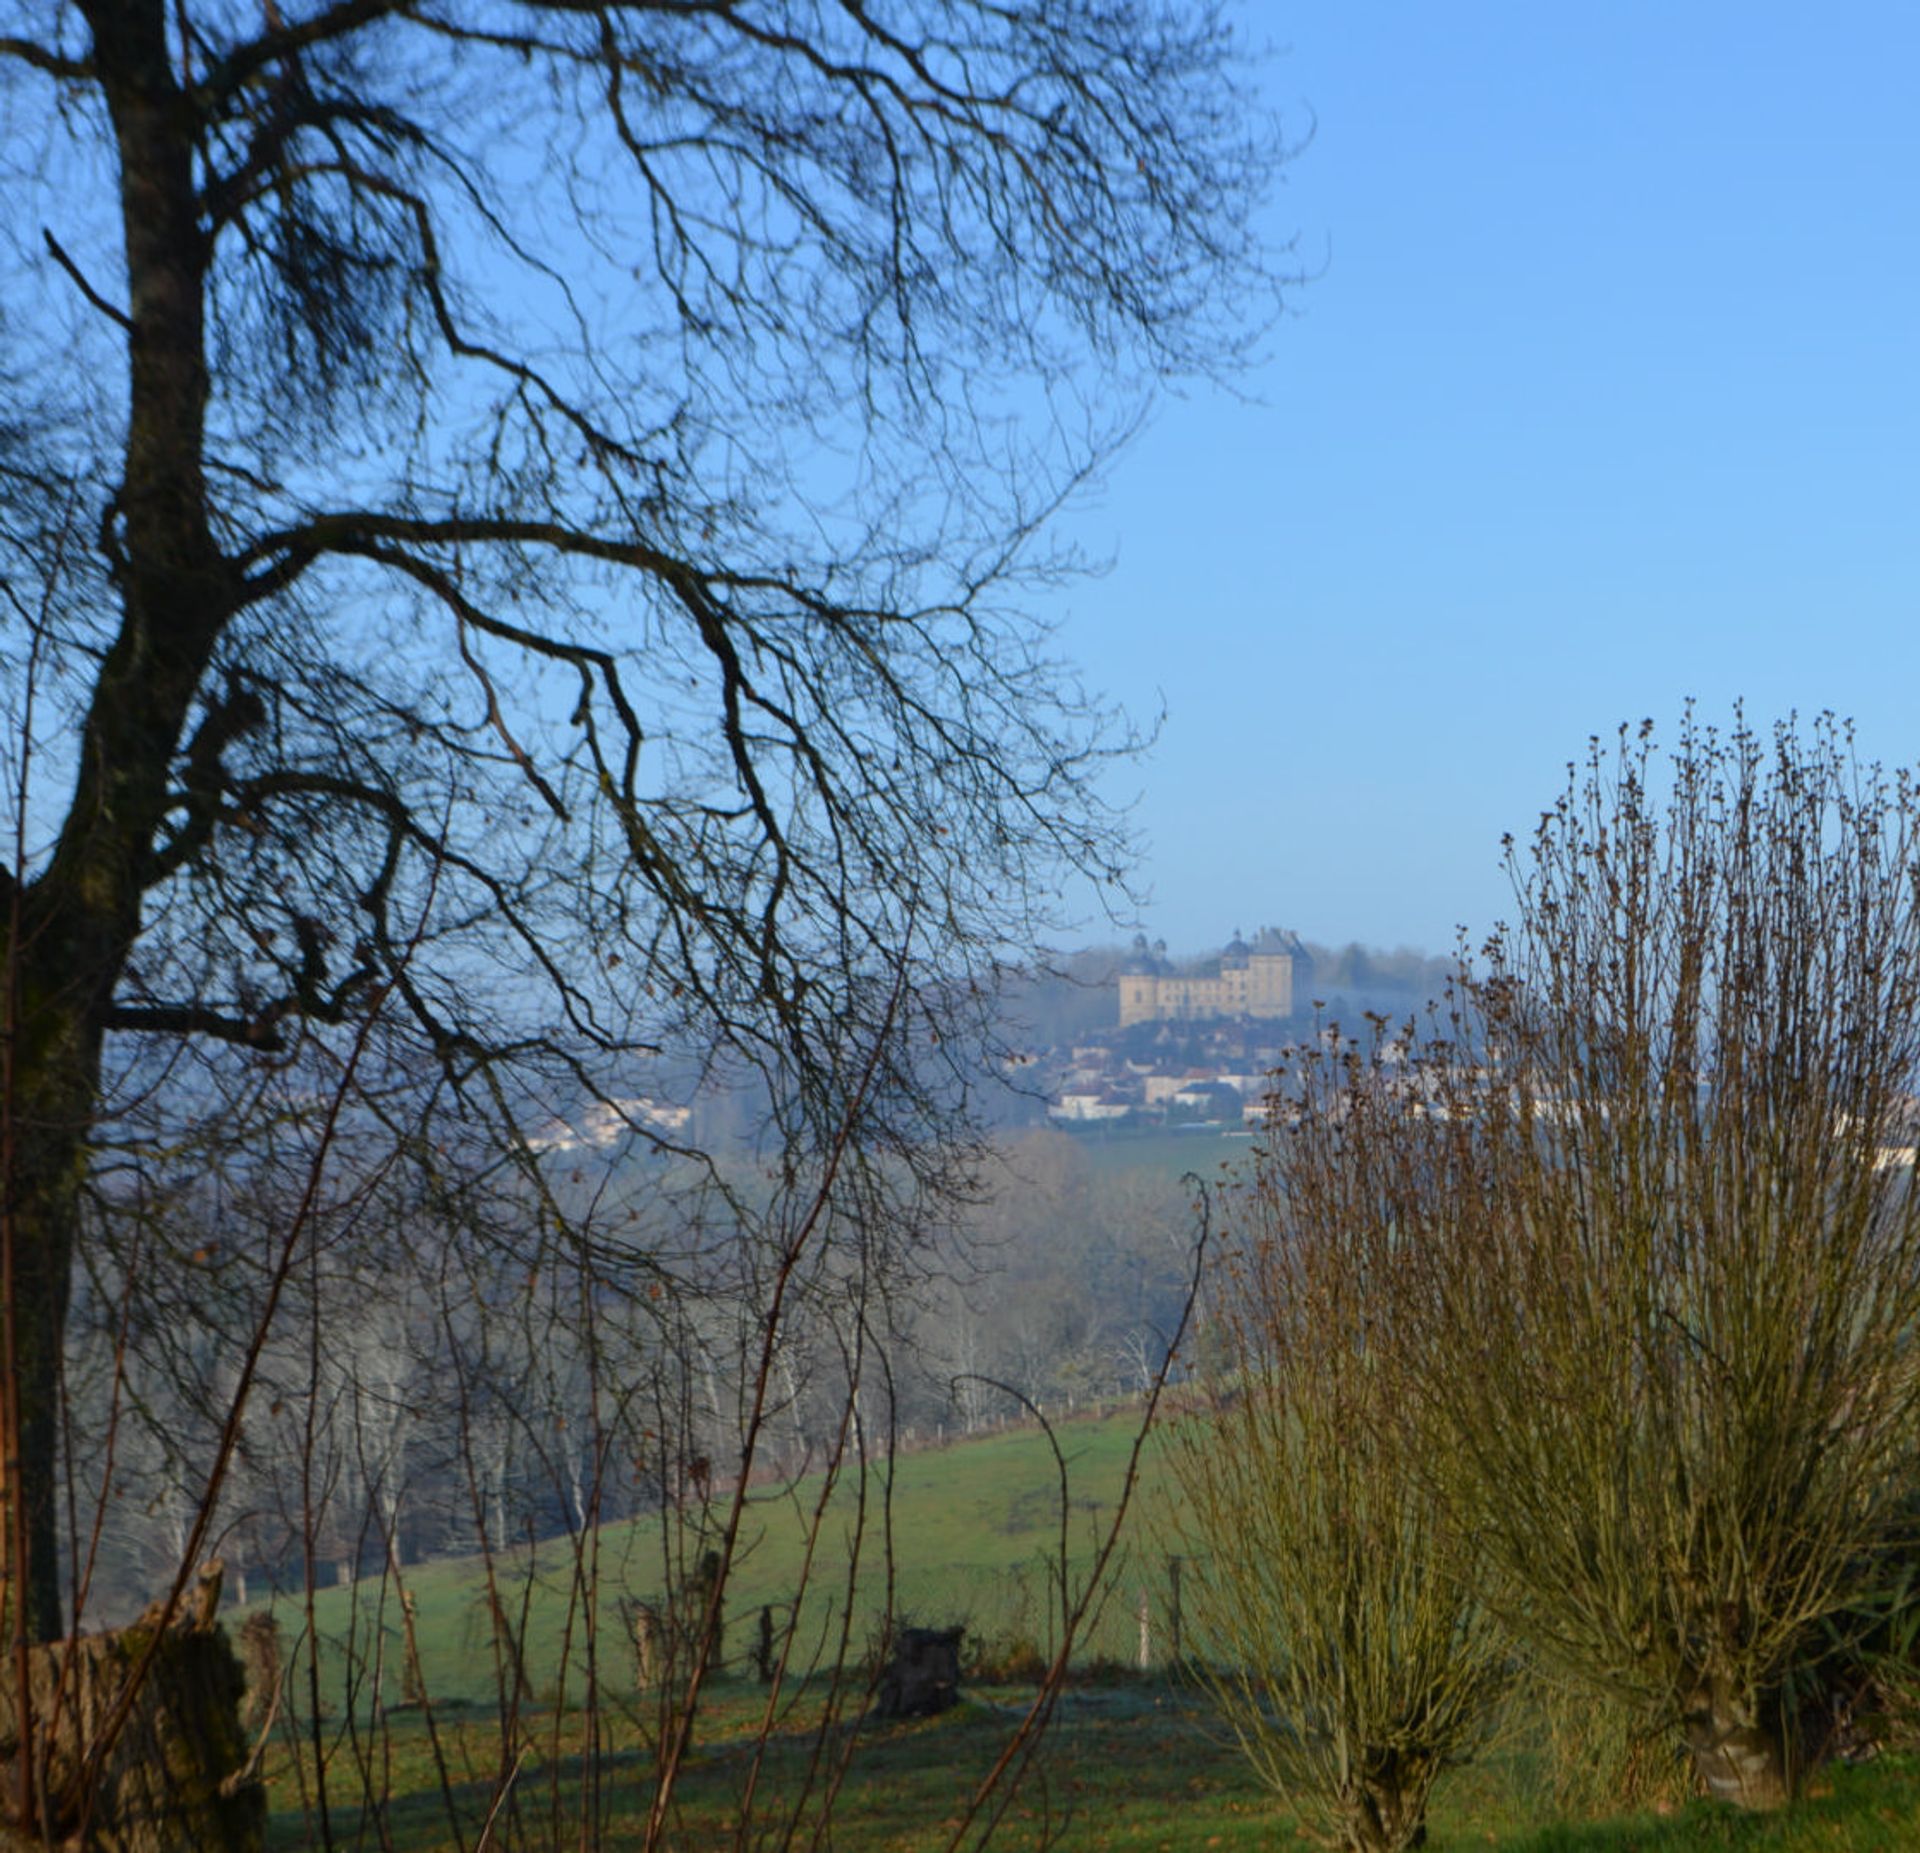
<point x="1574" y="1337"/>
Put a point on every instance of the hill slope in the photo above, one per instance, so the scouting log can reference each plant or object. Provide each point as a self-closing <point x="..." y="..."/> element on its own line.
<point x="975" y="1533"/>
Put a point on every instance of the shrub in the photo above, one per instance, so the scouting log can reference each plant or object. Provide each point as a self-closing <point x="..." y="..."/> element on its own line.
<point x="1661" y="1344"/>
<point x="1326" y="1611"/>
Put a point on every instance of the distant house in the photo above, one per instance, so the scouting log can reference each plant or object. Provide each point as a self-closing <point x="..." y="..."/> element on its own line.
<point x="1086" y="1108"/>
<point x="1206" y="1100"/>
<point x="1249" y="981"/>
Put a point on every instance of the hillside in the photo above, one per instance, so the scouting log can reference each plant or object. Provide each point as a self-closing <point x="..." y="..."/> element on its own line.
<point x="1128" y="1765"/>
<point x="976" y="1538"/>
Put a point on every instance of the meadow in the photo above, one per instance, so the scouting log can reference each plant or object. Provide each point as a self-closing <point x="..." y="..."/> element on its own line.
<point x="1130" y="1760"/>
<point x="965" y="1534"/>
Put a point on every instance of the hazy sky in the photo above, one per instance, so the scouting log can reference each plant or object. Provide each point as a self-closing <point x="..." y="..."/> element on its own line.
<point x="1607" y="394"/>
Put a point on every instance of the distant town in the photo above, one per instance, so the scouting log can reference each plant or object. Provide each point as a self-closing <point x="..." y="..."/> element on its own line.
<point x="1117" y="1039"/>
<point x="1190" y="1044"/>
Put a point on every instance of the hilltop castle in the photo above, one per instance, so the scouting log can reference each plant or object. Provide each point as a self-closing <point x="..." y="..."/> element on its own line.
<point x="1251" y="981"/>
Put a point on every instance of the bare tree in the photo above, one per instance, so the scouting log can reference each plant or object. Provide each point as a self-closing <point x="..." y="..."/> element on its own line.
<point x="512" y="531"/>
<point x="514" y="538"/>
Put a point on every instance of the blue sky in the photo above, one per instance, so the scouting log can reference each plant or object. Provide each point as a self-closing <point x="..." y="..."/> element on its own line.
<point x="1606" y="394"/>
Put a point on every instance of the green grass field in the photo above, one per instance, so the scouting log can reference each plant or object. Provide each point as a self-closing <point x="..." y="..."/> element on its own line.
<point x="1129" y="1763"/>
<point x="1168" y="1151"/>
<point x="976" y="1536"/>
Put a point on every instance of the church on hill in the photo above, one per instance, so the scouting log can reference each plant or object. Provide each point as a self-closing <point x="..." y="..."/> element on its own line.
<point x="1249" y="981"/>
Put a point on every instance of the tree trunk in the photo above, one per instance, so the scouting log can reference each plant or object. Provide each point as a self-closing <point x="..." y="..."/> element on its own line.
<point x="46" y="1134"/>
<point x="1385" y="1803"/>
<point x="1739" y="1753"/>
<point x="175" y="1780"/>
<point x="71" y="929"/>
<point x="1380" y="1820"/>
<point x="64" y="944"/>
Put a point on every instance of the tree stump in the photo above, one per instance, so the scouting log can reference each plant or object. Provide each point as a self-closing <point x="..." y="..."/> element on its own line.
<point x="176" y="1779"/>
<point x="649" y="1648"/>
<point x="923" y="1676"/>
<point x="765" y="1660"/>
<point x="1738" y="1753"/>
<point x="260" y="1656"/>
<point x="413" y="1684"/>
<point x="705" y="1596"/>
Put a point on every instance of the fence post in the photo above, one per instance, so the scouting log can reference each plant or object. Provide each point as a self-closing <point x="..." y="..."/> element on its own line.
<point x="1173" y="1602"/>
<point x="649" y="1648"/>
<point x="1146" y="1633"/>
<point x="763" y="1656"/>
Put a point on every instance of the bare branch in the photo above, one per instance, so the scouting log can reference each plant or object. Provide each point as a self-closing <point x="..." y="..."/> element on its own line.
<point x="285" y="42"/>
<point x="261" y="1032"/>
<point x="53" y="64"/>
<point x="59" y="254"/>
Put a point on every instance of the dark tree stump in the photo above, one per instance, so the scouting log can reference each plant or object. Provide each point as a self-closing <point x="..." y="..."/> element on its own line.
<point x="176" y="1779"/>
<point x="260" y="1656"/>
<point x="765" y="1659"/>
<point x="923" y="1676"/>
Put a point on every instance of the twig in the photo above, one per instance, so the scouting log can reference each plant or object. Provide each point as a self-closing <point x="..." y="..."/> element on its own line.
<point x="499" y="1800"/>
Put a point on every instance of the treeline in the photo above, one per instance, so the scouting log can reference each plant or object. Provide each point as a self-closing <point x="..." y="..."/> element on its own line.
<point x="448" y="1379"/>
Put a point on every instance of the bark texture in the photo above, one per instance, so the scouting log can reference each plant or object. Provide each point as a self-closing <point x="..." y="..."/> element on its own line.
<point x="1739" y="1755"/>
<point x="1385" y="1807"/>
<point x="176" y="1779"/>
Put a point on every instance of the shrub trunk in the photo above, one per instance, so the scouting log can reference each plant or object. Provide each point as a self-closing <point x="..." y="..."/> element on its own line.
<point x="1385" y="1809"/>
<point x="1740" y="1752"/>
